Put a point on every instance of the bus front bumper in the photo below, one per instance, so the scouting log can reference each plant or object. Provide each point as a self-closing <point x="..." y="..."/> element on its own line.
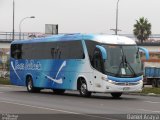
<point x="123" y="87"/>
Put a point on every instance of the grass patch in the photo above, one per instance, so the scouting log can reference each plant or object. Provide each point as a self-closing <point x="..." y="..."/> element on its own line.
<point x="4" y="81"/>
<point x="151" y="90"/>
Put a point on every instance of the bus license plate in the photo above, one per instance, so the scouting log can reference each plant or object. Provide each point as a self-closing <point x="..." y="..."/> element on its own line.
<point x="126" y="88"/>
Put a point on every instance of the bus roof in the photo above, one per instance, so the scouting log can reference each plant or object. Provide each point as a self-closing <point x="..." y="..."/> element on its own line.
<point x="106" y="39"/>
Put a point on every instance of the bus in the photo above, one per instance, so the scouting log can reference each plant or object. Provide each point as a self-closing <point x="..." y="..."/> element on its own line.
<point x="89" y="63"/>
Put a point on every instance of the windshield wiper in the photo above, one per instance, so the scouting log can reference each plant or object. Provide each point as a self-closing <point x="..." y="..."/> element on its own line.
<point x="125" y="63"/>
<point x="119" y="68"/>
<point x="128" y="64"/>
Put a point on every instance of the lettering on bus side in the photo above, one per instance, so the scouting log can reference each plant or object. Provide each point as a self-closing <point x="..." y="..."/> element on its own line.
<point x="28" y="65"/>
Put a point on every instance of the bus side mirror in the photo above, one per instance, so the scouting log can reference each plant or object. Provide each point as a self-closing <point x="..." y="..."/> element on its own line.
<point x="145" y="51"/>
<point x="103" y="51"/>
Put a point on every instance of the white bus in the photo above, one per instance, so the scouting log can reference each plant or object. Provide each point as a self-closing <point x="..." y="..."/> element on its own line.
<point x="85" y="62"/>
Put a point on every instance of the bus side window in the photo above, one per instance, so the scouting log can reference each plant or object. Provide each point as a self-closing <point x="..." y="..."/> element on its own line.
<point x="18" y="54"/>
<point x="16" y="51"/>
<point x="52" y="52"/>
<point x="59" y="55"/>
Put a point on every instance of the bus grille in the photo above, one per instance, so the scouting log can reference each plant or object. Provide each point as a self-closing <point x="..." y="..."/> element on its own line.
<point x="126" y="83"/>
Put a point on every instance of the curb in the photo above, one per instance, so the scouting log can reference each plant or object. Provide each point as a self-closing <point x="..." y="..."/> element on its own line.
<point x="143" y="94"/>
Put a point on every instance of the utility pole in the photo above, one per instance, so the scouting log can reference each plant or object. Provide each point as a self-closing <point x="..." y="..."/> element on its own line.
<point x="13" y="20"/>
<point x="116" y="18"/>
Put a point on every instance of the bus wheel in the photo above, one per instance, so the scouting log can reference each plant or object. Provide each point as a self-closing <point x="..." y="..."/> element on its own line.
<point x="58" y="91"/>
<point x="30" y="86"/>
<point x="83" y="90"/>
<point x="116" y="95"/>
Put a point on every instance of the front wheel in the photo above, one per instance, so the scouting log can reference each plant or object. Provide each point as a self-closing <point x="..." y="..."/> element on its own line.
<point x="116" y="95"/>
<point x="83" y="90"/>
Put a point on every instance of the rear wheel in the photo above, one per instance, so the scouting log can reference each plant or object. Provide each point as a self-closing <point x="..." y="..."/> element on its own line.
<point x="30" y="86"/>
<point x="58" y="91"/>
<point x="154" y="83"/>
<point x="83" y="90"/>
<point x="116" y="95"/>
<point x="158" y="83"/>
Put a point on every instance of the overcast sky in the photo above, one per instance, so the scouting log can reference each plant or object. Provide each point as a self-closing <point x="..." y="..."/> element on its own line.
<point x="79" y="16"/>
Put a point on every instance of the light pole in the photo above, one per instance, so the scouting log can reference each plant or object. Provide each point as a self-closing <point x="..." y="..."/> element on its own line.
<point x="21" y="23"/>
<point x="13" y="21"/>
<point x="116" y="18"/>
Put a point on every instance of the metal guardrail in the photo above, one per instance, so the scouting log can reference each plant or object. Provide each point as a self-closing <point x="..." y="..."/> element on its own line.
<point x="157" y="43"/>
<point x="7" y="36"/>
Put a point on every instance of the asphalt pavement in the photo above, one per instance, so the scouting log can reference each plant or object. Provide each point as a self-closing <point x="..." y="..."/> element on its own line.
<point x="16" y="100"/>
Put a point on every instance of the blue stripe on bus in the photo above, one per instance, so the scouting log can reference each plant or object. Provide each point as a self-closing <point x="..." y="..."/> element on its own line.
<point x="116" y="79"/>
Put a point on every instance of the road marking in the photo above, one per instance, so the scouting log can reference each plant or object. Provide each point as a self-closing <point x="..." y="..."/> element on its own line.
<point x="46" y="108"/>
<point x="52" y="109"/>
<point x="149" y="110"/>
<point x="151" y="102"/>
<point x="6" y="88"/>
<point x="10" y="86"/>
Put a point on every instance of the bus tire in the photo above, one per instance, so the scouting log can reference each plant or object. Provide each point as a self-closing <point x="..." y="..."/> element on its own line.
<point x="58" y="91"/>
<point x="30" y="86"/>
<point x="83" y="89"/>
<point x="116" y="95"/>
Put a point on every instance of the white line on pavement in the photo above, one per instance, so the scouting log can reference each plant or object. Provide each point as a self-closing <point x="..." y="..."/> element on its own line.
<point x="149" y="110"/>
<point x="21" y="104"/>
<point x="5" y="87"/>
<point x="58" y="110"/>
<point x="151" y="102"/>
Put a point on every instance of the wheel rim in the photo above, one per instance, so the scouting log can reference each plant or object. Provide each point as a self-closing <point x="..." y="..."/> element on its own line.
<point x="83" y="88"/>
<point x="29" y="85"/>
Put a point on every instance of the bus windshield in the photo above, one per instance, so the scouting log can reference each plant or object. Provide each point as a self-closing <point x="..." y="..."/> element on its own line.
<point x="122" y="60"/>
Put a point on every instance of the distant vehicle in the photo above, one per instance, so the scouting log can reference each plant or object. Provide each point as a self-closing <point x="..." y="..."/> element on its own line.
<point x="152" y="76"/>
<point x="85" y="62"/>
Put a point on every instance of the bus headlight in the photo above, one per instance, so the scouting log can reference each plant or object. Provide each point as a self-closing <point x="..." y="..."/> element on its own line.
<point x="110" y="81"/>
<point x="141" y="81"/>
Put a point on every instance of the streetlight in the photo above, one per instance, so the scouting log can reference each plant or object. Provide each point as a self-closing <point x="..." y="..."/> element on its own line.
<point x="21" y="23"/>
<point x="13" y="21"/>
<point x="116" y="18"/>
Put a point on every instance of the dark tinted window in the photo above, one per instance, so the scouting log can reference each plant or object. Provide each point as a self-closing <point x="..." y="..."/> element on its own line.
<point x="16" y="51"/>
<point x="72" y="50"/>
<point x="91" y="45"/>
<point x="97" y="60"/>
<point x="39" y="51"/>
<point x="49" y="50"/>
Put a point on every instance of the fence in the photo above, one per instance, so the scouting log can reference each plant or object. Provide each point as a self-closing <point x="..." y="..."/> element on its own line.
<point x="7" y="36"/>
